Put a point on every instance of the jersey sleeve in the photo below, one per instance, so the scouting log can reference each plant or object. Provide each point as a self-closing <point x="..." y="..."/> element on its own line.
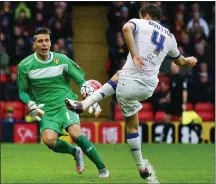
<point x="134" y="22"/>
<point x="75" y="72"/>
<point x="174" y="52"/>
<point x="23" y="85"/>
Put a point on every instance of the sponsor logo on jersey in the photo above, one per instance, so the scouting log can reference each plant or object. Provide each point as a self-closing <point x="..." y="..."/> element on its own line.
<point x="56" y="60"/>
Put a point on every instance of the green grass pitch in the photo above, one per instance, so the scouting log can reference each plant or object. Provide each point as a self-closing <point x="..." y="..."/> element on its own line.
<point x="177" y="163"/>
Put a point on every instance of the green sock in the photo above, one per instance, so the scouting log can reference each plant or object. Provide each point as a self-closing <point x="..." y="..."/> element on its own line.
<point x="63" y="147"/>
<point x="89" y="149"/>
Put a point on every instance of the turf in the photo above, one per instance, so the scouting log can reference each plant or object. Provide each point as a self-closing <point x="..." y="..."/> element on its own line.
<point x="173" y="163"/>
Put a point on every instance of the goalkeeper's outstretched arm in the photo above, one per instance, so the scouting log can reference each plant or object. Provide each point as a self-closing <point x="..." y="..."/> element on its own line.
<point x="81" y="82"/>
<point x="23" y="85"/>
<point x="75" y="72"/>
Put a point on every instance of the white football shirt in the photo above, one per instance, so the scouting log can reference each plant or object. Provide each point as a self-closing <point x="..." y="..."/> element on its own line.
<point x="152" y="42"/>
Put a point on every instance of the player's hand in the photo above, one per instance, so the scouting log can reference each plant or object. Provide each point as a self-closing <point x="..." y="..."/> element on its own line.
<point x="138" y="61"/>
<point x="96" y="109"/>
<point x="35" y="110"/>
<point x="191" y="61"/>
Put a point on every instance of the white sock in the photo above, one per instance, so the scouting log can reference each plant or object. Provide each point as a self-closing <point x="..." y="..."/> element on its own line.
<point x="134" y="144"/>
<point x="106" y="90"/>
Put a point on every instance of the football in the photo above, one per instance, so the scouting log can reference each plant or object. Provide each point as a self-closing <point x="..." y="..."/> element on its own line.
<point x="89" y="87"/>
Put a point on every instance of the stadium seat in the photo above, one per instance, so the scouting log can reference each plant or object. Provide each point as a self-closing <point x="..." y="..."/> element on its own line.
<point x="17" y="108"/>
<point x="159" y="116"/>
<point x="163" y="78"/>
<point x="13" y="68"/>
<point x="3" y="78"/>
<point x="189" y="106"/>
<point x="2" y="110"/>
<point x="203" y="107"/>
<point x="143" y="116"/>
<point x="207" y="116"/>
<point x="117" y="107"/>
<point x="118" y="116"/>
<point x="146" y="116"/>
<point x="26" y="111"/>
<point x="175" y="118"/>
<point x="146" y="106"/>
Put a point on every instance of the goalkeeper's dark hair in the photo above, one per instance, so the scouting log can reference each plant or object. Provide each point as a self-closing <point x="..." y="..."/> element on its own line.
<point x="41" y="30"/>
<point x="153" y="10"/>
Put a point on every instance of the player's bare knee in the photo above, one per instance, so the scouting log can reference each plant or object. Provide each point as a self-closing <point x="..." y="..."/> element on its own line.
<point x="74" y="131"/>
<point x="49" y="137"/>
<point x="49" y="140"/>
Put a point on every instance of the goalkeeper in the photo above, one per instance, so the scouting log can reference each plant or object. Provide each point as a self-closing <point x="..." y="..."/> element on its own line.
<point x="44" y="83"/>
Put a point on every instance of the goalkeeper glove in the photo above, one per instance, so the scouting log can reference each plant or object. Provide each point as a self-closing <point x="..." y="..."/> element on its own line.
<point x="35" y="110"/>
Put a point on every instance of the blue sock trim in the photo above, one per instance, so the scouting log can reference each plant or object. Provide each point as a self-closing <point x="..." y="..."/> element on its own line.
<point x="131" y="136"/>
<point x="112" y="83"/>
<point x="102" y="94"/>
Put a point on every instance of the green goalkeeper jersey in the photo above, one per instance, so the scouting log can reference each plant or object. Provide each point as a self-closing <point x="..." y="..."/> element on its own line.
<point x="48" y="82"/>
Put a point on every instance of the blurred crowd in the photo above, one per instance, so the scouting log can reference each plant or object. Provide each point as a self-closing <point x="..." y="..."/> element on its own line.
<point x="19" y="20"/>
<point x="192" y="23"/>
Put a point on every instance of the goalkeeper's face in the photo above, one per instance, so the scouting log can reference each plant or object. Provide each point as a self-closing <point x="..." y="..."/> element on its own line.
<point x="42" y="44"/>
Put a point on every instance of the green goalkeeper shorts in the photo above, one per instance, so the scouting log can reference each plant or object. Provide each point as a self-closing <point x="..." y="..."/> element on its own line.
<point x="58" y="120"/>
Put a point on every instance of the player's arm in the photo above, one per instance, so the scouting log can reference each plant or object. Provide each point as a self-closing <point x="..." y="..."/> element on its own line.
<point x="189" y="61"/>
<point x="23" y="85"/>
<point x="128" y="29"/>
<point x="178" y="58"/>
<point x="75" y="72"/>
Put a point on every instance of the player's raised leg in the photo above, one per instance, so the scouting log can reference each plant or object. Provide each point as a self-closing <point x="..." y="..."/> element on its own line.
<point x="88" y="148"/>
<point x="50" y="139"/>
<point x="105" y="91"/>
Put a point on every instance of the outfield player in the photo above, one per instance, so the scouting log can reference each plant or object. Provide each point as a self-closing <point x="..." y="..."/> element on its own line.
<point x="44" y="83"/>
<point x="148" y="43"/>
